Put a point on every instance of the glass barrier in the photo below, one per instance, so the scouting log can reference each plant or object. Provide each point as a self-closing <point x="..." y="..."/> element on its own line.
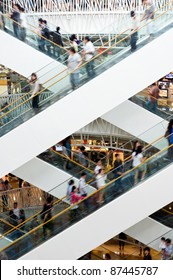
<point x="158" y="106"/>
<point x="155" y="251"/>
<point x="157" y="131"/>
<point x="87" y="205"/>
<point x="65" y="163"/>
<point x="102" y="38"/>
<point x="164" y="217"/>
<point x="9" y="225"/>
<point x="25" y="197"/>
<point x="35" y="39"/>
<point x="121" y="249"/>
<point x="88" y="70"/>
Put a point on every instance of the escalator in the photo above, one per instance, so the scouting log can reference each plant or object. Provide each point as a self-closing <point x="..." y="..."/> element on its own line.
<point x="51" y="169"/>
<point x="26" y="59"/>
<point x="151" y="228"/>
<point x="140" y="121"/>
<point x="47" y="170"/>
<point x="144" y="114"/>
<point x="50" y="124"/>
<point x="69" y="227"/>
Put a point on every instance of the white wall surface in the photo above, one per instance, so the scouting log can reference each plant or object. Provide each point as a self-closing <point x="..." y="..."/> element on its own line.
<point x="108" y="221"/>
<point x="46" y="177"/>
<point x="138" y="122"/>
<point x="25" y="60"/>
<point x="149" y="231"/>
<point x="87" y="103"/>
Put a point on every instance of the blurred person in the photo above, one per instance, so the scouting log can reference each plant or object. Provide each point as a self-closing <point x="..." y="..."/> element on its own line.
<point x="69" y="189"/>
<point x="169" y="137"/>
<point x="73" y="42"/>
<point x="153" y="98"/>
<point x="82" y="157"/>
<point x="109" y="157"/>
<point x="67" y="144"/>
<point x="74" y="62"/>
<point x="107" y="256"/>
<point x="118" y="171"/>
<point x="3" y="256"/>
<point x="1" y="21"/>
<point x="15" y="16"/>
<point x="88" y="53"/>
<point x="122" y="238"/>
<point x="168" y="251"/>
<point x="45" y="32"/>
<point x="46" y="215"/>
<point x="134" y="31"/>
<point x="98" y="167"/>
<point x="35" y="87"/>
<point x="136" y="145"/>
<point x="138" y="158"/>
<point x="21" y="218"/>
<point x="100" y="182"/>
<point x="15" y="82"/>
<point x="83" y="185"/>
<point x="4" y="196"/>
<point x="148" y="16"/>
<point x="147" y="254"/>
<point x="23" y="23"/>
<point x="16" y="210"/>
<point x="26" y="193"/>
<point x="162" y="246"/>
<point x="38" y="31"/>
<point x="74" y="198"/>
<point x="57" y="39"/>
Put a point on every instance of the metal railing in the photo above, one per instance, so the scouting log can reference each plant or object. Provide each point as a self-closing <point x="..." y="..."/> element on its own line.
<point x="97" y="57"/>
<point x="82" y="6"/>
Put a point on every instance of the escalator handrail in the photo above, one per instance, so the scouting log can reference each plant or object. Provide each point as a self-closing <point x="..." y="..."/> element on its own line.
<point x="75" y="162"/>
<point x="56" y="75"/>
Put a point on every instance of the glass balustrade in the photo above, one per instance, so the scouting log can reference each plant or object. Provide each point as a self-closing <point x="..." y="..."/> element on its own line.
<point x="88" y="70"/>
<point x="74" y="213"/>
<point x="159" y="107"/>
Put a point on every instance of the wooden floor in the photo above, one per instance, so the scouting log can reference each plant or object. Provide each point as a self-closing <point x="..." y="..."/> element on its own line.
<point x="131" y="251"/>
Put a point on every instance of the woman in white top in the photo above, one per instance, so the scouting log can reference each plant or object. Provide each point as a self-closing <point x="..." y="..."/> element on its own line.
<point x="35" y="87"/>
<point x="138" y="158"/>
<point x="100" y="182"/>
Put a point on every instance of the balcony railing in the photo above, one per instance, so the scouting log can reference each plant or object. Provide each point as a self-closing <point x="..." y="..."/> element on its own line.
<point x="80" y="6"/>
